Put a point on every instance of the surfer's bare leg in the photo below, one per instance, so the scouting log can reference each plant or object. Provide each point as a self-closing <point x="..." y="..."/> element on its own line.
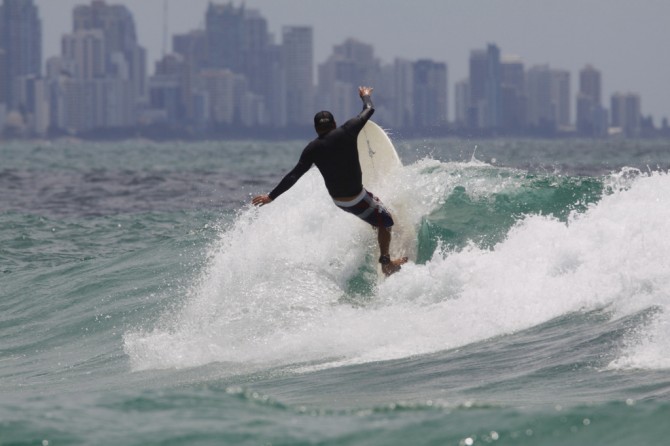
<point x="384" y="239"/>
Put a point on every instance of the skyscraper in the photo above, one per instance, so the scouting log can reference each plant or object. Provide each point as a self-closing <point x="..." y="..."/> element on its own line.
<point x="485" y="88"/>
<point x="513" y="94"/>
<point x="125" y="59"/>
<point x="86" y="48"/>
<point x="402" y="107"/>
<point x="193" y="48"/>
<point x="492" y="87"/>
<point x="237" y="39"/>
<point x="224" y="28"/>
<point x="430" y="94"/>
<point x="21" y="38"/>
<point x="541" y="110"/>
<point x="350" y="65"/>
<point x="590" y="84"/>
<point x="461" y="102"/>
<point x="589" y="108"/>
<point x="560" y="97"/>
<point x="477" y="83"/>
<point x="298" y="62"/>
<point x="626" y="113"/>
<point x="3" y="76"/>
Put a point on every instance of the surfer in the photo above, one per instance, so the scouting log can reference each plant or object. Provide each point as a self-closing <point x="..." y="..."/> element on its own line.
<point x="335" y="154"/>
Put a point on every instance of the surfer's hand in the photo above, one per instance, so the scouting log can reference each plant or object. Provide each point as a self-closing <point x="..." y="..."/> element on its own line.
<point x="365" y="91"/>
<point x="260" y="200"/>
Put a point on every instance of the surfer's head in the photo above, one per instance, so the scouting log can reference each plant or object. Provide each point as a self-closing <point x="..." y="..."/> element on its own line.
<point x="324" y="122"/>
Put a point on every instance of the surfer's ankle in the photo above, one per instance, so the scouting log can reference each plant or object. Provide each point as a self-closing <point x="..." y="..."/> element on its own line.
<point x="393" y="266"/>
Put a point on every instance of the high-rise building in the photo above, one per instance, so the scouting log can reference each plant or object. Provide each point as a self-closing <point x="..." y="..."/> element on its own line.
<point x="541" y="109"/>
<point x="3" y="76"/>
<point x="461" y="102"/>
<point x="124" y="58"/>
<point x="402" y="86"/>
<point x="430" y="94"/>
<point x="116" y="22"/>
<point x="477" y="83"/>
<point x="230" y="100"/>
<point x="548" y="99"/>
<point x="86" y="48"/>
<point x="298" y="74"/>
<point x="224" y="28"/>
<point x="590" y="84"/>
<point x="105" y="70"/>
<point x="237" y="39"/>
<point x="192" y="47"/>
<point x="513" y="94"/>
<point x="590" y="113"/>
<point x="166" y="87"/>
<point x="560" y="97"/>
<point x="485" y="111"/>
<point x="352" y="64"/>
<point x="626" y="113"/>
<point x="21" y="38"/>
<point x="492" y="86"/>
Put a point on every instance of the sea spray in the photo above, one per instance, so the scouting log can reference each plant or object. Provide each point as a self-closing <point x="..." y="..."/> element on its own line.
<point x="275" y="289"/>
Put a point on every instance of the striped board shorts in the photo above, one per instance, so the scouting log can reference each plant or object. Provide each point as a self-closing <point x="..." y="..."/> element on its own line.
<point x="368" y="208"/>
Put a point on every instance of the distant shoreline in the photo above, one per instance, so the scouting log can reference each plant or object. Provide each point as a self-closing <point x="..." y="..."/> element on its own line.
<point x="171" y="133"/>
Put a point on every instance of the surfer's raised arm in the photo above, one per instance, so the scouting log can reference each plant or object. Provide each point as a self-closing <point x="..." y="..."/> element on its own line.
<point x="368" y="108"/>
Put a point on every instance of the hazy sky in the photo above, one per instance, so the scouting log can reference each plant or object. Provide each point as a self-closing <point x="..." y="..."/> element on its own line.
<point x="628" y="40"/>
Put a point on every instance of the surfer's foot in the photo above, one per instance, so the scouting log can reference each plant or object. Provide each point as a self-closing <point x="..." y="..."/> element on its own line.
<point x="393" y="266"/>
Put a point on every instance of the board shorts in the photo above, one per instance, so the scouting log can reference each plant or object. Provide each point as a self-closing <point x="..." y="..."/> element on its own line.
<point x="368" y="208"/>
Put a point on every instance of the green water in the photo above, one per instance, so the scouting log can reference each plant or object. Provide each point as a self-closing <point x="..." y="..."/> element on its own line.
<point x="144" y="302"/>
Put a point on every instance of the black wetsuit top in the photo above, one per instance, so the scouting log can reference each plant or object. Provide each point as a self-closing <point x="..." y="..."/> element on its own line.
<point x="336" y="156"/>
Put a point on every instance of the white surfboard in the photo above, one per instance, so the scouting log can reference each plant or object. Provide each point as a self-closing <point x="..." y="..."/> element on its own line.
<point x="379" y="163"/>
<point x="377" y="155"/>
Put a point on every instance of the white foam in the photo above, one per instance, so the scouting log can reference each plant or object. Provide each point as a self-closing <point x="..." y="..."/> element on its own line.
<point x="275" y="286"/>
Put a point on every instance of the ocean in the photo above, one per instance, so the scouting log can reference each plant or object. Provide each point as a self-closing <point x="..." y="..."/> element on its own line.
<point x="144" y="301"/>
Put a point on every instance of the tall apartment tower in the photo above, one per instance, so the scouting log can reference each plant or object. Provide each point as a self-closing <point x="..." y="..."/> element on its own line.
<point x="541" y="110"/>
<point x="626" y="113"/>
<point x="21" y="39"/>
<point x="351" y="64"/>
<point x="3" y="79"/>
<point x="430" y="94"/>
<point x="298" y="74"/>
<point x="237" y="39"/>
<point x="590" y="84"/>
<point x="548" y="98"/>
<point x="124" y="58"/>
<point x="560" y="96"/>
<point x="493" y="83"/>
<point x="87" y="50"/>
<point x="591" y="117"/>
<point x="477" y="84"/>
<point x="3" y="71"/>
<point x="513" y="94"/>
<point x="192" y="47"/>
<point x="402" y="88"/>
<point x="224" y="28"/>
<point x="461" y="102"/>
<point x="485" y="88"/>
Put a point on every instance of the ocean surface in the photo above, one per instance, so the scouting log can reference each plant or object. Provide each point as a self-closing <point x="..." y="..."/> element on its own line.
<point x="143" y="301"/>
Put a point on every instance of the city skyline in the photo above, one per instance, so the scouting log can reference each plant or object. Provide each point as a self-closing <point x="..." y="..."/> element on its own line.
<point x="568" y="36"/>
<point x="233" y="75"/>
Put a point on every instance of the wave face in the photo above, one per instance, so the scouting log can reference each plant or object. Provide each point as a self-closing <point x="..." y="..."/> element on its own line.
<point x="499" y="251"/>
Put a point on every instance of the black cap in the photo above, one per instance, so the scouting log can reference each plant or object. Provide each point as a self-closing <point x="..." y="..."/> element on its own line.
<point x="323" y="118"/>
